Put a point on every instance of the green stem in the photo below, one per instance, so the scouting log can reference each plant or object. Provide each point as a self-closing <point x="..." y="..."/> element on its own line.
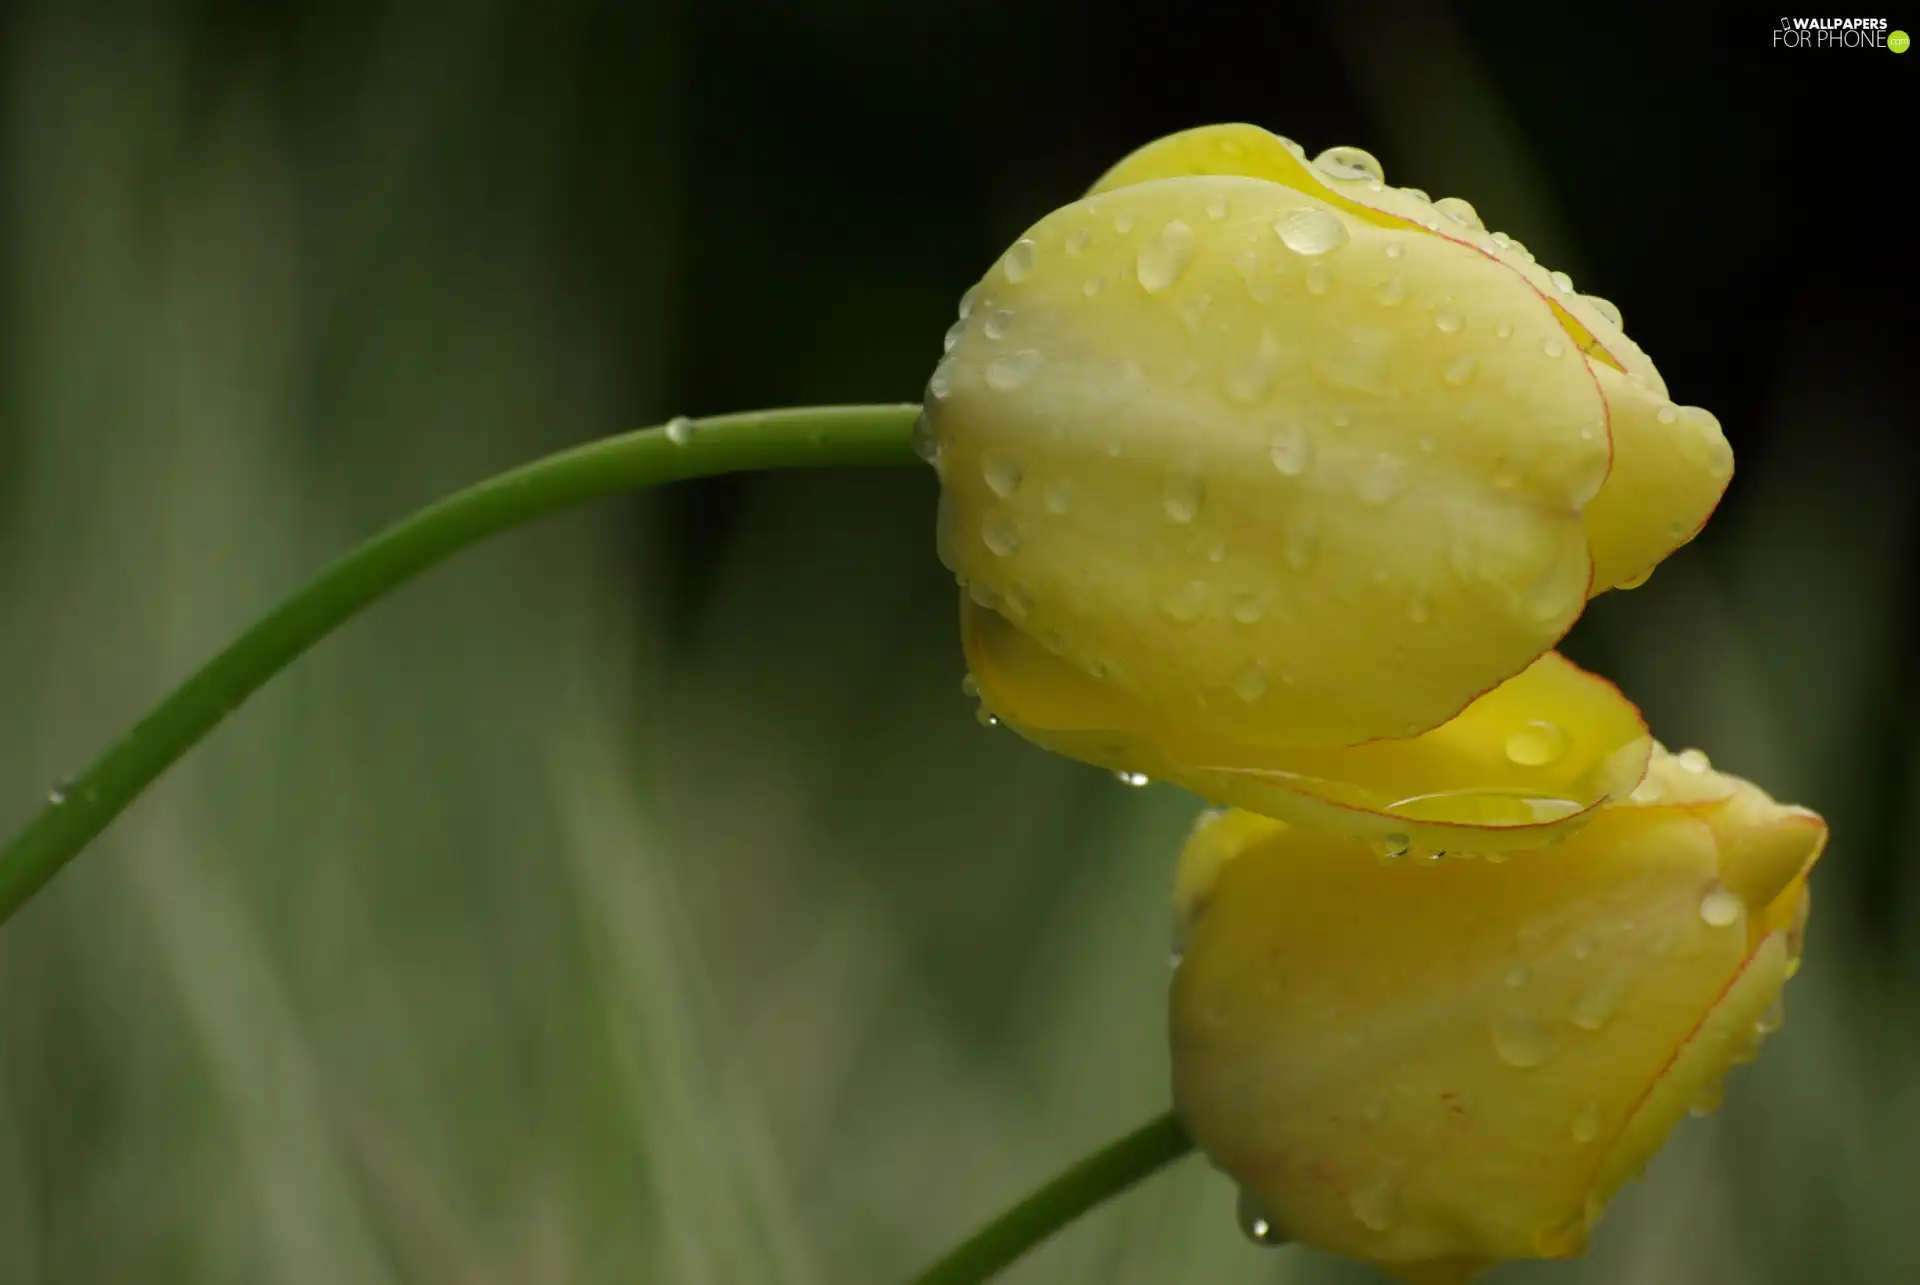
<point x="1100" y="1177"/>
<point x="795" y="438"/>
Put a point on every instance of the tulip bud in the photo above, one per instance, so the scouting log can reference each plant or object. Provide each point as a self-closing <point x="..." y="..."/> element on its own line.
<point x="1270" y="461"/>
<point x="1436" y="1064"/>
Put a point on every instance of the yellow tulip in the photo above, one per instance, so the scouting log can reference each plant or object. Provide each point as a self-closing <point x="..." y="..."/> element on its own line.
<point x="1438" y="1064"/>
<point x="1257" y="472"/>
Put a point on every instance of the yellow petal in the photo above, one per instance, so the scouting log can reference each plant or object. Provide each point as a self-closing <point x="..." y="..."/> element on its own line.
<point x="1670" y="466"/>
<point x="1297" y="496"/>
<point x="1434" y="1065"/>
<point x="1524" y="763"/>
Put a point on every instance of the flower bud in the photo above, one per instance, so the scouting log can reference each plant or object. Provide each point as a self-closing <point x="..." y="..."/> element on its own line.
<point x="1266" y="457"/>
<point x="1437" y="1063"/>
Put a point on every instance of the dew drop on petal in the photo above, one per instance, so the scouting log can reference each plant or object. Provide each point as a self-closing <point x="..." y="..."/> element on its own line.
<point x="1316" y="278"/>
<point x="1707" y="1099"/>
<point x="999" y="534"/>
<point x="1460" y="370"/>
<point x="1374" y="1204"/>
<point x="1018" y="265"/>
<point x="1216" y="207"/>
<point x="680" y="430"/>
<point x="1015" y="370"/>
<point x="1721" y="907"/>
<point x="1418" y="194"/>
<point x="1185" y="602"/>
<point x="1350" y="163"/>
<point x="1256" y="1225"/>
<point x="1382" y="479"/>
<point x="1058" y="496"/>
<point x="1123" y="222"/>
<point x="926" y="440"/>
<point x="1302" y="542"/>
<point x="1134" y="779"/>
<point x="1394" y="846"/>
<point x="1666" y="415"/>
<point x="996" y="323"/>
<point x="1002" y="473"/>
<point x="1537" y="744"/>
<point x="1093" y="286"/>
<point x="1291" y="450"/>
<point x="1460" y="211"/>
<point x="1553" y="346"/>
<point x="1520" y="1040"/>
<point x="1517" y="976"/>
<point x="1606" y="308"/>
<point x="1395" y="250"/>
<point x="1694" y="761"/>
<point x="1773" y="1019"/>
<point x="1251" y="608"/>
<point x="1448" y="321"/>
<point x="1586" y="1123"/>
<point x="953" y="336"/>
<point x="1390" y="292"/>
<point x="969" y="687"/>
<point x="1183" y="496"/>
<point x="1251" y="685"/>
<point x="1161" y="260"/>
<point x="1077" y="243"/>
<point x="1503" y="331"/>
<point x="1311" y="231"/>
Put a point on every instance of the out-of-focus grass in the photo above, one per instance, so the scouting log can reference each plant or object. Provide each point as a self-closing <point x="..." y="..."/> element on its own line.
<point x="636" y="899"/>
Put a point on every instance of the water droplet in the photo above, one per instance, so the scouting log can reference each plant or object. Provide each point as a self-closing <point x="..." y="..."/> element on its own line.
<point x="1518" y="249"/>
<point x="1417" y="193"/>
<point x="953" y="336"/>
<point x="1395" y="250"/>
<point x="1552" y="346"/>
<point x="1374" y="1204"/>
<point x="1537" y="744"/>
<point x="1390" y="292"/>
<point x="60" y="792"/>
<point x="1586" y="1123"/>
<point x="1597" y="1002"/>
<point x="1018" y="265"/>
<point x="926" y="441"/>
<point x="1503" y="331"/>
<point x="1311" y="231"/>
<point x="1521" y="1040"/>
<point x="1291" y="450"/>
<point x="680" y="430"/>
<point x="1517" y="976"/>
<point x="1252" y="607"/>
<point x="1218" y="553"/>
<point x="1694" y="761"/>
<point x="1077" y="243"/>
<point x="1185" y="602"/>
<point x="1058" y="496"/>
<point x="970" y="687"/>
<point x="1316" y="278"/>
<point x="1303" y="540"/>
<point x="941" y="382"/>
<point x="1016" y="369"/>
<point x="1634" y="582"/>
<point x="1666" y="415"/>
<point x="996" y="323"/>
<point x="1216" y="207"/>
<point x="1460" y="211"/>
<point x="1394" y="846"/>
<point x="1561" y="282"/>
<point x="1193" y="310"/>
<point x="1162" y="260"/>
<point x="984" y="717"/>
<point x="1460" y="369"/>
<point x="1183" y="495"/>
<point x="1002" y="473"/>
<point x="1252" y="683"/>
<point x="1123" y="222"/>
<point x="1093" y="286"/>
<point x="1419" y="608"/>
<point x="1250" y="380"/>
<point x="1341" y="417"/>
<point x="1607" y="309"/>
<point x="1134" y="779"/>
<point x="969" y="301"/>
<point x="1382" y="480"/>
<point x="1707" y="1099"/>
<point x="1350" y="163"/>
<point x="1448" y="321"/>
<point x="999" y="534"/>
<point x="1256" y="1226"/>
<point x="1773" y="1019"/>
<point x="1721" y="907"/>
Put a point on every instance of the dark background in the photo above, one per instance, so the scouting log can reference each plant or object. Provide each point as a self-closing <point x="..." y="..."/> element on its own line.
<point x="636" y="899"/>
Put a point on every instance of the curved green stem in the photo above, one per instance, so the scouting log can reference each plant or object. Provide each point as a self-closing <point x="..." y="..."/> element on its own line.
<point x="1100" y="1177"/>
<point x="796" y="438"/>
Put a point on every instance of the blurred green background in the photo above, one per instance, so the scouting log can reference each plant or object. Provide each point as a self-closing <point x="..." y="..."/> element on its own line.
<point x="636" y="899"/>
